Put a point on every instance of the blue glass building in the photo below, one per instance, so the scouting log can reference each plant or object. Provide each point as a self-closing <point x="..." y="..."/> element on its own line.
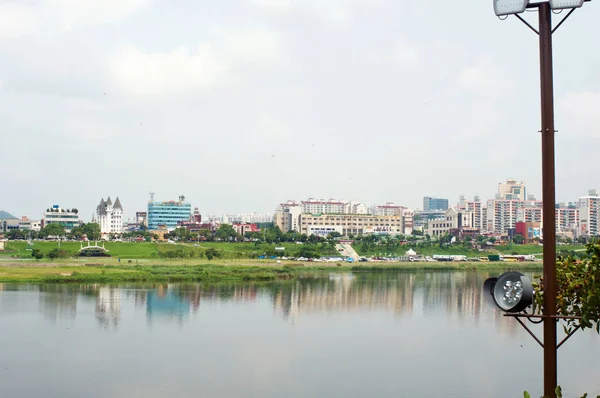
<point x="433" y="204"/>
<point x="168" y="214"/>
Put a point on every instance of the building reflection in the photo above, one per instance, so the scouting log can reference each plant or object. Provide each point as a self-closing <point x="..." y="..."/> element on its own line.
<point x="453" y="294"/>
<point x="108" y="307"/>
<point x="164" y="302"/>
<point x="57" y="301"/>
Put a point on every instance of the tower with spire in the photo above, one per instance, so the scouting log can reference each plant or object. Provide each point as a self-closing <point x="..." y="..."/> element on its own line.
<point x="110" y="217"/>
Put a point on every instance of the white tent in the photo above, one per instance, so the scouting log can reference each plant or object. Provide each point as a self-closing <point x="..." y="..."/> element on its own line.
<point x="411" y="252"/>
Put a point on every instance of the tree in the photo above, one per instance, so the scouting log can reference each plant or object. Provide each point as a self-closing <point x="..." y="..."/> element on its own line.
<point x="54" y="229"/>
<point x="77" y="232"/>
<point x="91" y="230"/>
<point x="578" y="289"/>
<point x="226" y="232"/>
<point x="518" y="239"/>
<point x="16" y="234"/>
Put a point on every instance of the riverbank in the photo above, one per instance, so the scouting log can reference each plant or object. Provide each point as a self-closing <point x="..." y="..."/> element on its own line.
<point x="70" y="272"/>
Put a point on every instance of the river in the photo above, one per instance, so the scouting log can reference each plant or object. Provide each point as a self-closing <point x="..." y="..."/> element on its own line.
<point x="335" y="335"/>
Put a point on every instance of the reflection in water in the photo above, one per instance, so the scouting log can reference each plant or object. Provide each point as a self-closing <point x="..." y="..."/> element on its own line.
<point x="108" y="307"/>
<point x="164" y="302"/>
<point x="456" y="294"/>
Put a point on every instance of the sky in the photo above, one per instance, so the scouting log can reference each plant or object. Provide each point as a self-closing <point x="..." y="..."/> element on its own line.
<point x="242" y="104"/>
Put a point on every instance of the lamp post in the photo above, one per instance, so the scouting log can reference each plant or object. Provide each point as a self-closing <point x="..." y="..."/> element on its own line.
<point x="515" y="7"/>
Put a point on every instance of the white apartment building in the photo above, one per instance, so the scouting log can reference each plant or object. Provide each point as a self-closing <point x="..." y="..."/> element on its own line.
<point x="589" y="222"/>
<point x="110" y="217"/>
<point x="529" y="214"/>
<point x="454" y="219"/>
<point x="356" y="224"/>
<point x="567" y="219"/>
<point x="501" y="214"/>
<point x="512" y="190"/>
<point x="322" y="206"/>
<point x="388" y="209"/>
<point x="355" y="207"/>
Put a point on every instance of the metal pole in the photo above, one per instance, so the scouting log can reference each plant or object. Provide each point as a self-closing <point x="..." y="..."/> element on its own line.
<point x="548" y="198"/>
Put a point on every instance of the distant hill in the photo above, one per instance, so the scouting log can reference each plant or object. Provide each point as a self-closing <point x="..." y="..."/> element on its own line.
<point x="6" y="216"/>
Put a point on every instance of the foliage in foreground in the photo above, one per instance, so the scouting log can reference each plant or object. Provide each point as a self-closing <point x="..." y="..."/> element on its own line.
<point x="578" y="289"/>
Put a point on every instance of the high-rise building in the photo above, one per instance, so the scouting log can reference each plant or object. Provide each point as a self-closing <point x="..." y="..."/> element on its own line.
<point x="567" y="218"/>
<point x="512" y="190"/>
<point x="434" y="204"/>
<point x="475" y="207"/>
<point x="68" y="218"/>
<point x="168" y="214"/>
<point x="110" y="216"/>
<point x="502" y="214"/>
<point x="589" y="209"/>
<point x="287" y="216"/>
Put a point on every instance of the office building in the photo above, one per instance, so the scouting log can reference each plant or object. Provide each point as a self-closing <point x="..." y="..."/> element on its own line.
<point x="8" y="222"/>
<point x="68" y="218"/>
<point x="434" y="204"/>
<point x="455" y="222"/>
<point x="167" y="214"/>
<point x="350" y="224"/>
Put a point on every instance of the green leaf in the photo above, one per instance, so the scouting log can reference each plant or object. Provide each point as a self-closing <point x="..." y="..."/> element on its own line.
<point x="558" y="392"/>
<point x="526" y="394"/>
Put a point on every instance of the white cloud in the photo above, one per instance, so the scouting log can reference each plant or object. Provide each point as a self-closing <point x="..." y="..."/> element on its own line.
<point x="43" y="17"/>
<point x="16" y="20"/>
<point x="487" y="77"/>
<point x="138" y="73"/>
<point x="335" y="12"/>
<point x="580" y="113"/>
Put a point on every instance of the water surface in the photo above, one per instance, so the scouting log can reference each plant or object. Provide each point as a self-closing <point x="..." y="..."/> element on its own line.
<point x="386" y="334"/>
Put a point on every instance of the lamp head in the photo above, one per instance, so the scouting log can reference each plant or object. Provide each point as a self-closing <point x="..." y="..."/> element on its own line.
<point x="508" y="7"/>
<point x="510" y="292"/>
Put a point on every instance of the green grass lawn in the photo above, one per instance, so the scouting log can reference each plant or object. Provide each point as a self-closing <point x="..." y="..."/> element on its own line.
<point x="459" y="250"/>
<point x="145" y="251"/>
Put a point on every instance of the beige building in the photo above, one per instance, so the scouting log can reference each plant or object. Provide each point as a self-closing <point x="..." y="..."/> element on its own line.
<point x="356" y="224"/>
<point x="454" y="219"/>
<point x="512" y="190"/>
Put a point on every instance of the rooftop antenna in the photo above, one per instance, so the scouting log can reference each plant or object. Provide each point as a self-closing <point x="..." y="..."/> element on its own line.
<point x="151" y="196"/>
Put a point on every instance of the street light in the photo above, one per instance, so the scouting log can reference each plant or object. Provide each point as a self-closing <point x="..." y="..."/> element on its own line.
<point x="545" y="31"/>
<point x="562" y="4"/>
<point x="510" y="292"/>
<point x="508" y="7"/>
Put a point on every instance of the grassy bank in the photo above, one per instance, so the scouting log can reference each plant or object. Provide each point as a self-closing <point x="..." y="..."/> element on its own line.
<point x="458" y="250"/>
<point x="73" y="273"/>
<point x="148" y="250"/>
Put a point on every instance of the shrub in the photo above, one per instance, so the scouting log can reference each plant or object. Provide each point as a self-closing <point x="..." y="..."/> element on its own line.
<point x="37" y="254"/>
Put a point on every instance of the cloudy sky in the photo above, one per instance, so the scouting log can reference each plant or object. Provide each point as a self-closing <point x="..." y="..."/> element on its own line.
<point x="242" y="104"/>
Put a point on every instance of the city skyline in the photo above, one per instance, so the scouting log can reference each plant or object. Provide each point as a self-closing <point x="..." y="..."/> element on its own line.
<point x="129" y="214"/>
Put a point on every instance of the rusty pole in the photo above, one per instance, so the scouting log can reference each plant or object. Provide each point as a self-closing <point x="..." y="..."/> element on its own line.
<point x="548" y="198"/>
